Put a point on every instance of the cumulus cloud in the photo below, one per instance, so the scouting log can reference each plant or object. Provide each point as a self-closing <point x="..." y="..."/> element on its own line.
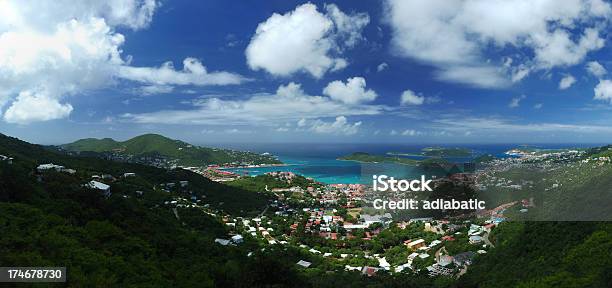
<point x="596" y="69"/>
<point x="455" y="35"/>
<point x="603" y="91"/>
<point x="516" y="102"/>
<point x="55" y="49"/>
<point x="537" y="106"/>
<point x="339" y="126"/>
<point x="353" y="92"/>
<point x="305" y="40"/>
<point x="290" y="103"/>
<point x="566" y="82"/>
<point x="35" y="106"/>
<point x="411" y="98"/>
<point x="193" y="73"/>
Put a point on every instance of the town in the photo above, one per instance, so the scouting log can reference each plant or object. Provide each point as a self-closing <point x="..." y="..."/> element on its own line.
<point x="335" y="223"/>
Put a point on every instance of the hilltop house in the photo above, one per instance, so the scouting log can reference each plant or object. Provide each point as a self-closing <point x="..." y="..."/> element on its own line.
<point x="100" y="186"/>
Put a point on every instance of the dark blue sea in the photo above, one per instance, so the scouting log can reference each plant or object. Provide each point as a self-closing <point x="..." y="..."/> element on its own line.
<point x="319" y="161"/>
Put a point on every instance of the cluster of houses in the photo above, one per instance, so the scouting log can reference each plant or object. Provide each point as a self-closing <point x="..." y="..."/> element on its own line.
<point x="50" y="166"/>
<point x="234" y="240"/>
<point x="214" y="173"/>
<point x="97" y="182"/>
<point x="6" y="159"/>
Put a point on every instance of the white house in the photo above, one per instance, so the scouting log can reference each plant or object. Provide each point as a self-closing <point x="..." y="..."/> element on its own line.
<point x="49" y="166"/>
<point x="223" y="242"/>
<point x="475" y="239"/>
<point x="8" y="160"/>
<point x="304" y="264"/>
<point x="100" y="186"/>
<point x="237" y="239"/>
<point x="371" y="219"/>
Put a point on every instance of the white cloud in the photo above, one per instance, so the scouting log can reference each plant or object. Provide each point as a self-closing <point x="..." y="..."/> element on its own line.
<point x="596" y="69"/>
<point x="485" y="76"/>
<point x="382" y="66"/>
<point x="519" y="72"/>
<point x="538" y="106"/>
<point x="153" y="89"/>
<point x="302" y="122"/>
<point x="410" y="98"/>
<point x="305" y="40"/>
<point x="236" y="131"/>
<point x="289" y="103"/>
<point x="64" y="48"/>
<point x="193" y="73"/>
<point x="339" y="126"/>
<point x="353" y="92"/>
<point x="281" y="129"/>
<point x="516" y="102"/>
<point x="454" y="35"/>
<point x="603" y="91"/>
<point x="35" y="106"/>
<point x="558" y="49"/>
<point x="566" y="82"/>
<point x="493" y="124"/>
<point x="410" y="132"/>
<point x="348" y="27"/>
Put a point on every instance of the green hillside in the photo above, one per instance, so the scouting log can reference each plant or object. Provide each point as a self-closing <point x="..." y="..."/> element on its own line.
<point x="28" y="156"/>
<point x="545" y="254"/>
<point x="173" y="151"/>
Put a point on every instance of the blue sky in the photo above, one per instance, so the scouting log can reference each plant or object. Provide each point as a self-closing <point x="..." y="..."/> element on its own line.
<point x="321" y="71"/>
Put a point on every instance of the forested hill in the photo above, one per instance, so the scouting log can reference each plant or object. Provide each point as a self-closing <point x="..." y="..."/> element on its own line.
<point x="173" y="151"/>
<point x="26" y="157"/>
<point x="129" y="239"/>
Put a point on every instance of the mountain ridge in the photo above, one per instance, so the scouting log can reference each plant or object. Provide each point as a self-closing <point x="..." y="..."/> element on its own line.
<point x="173" y="151"/>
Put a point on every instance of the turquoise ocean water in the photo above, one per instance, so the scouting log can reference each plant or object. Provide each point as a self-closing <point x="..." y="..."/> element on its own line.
<point x="319" y="161"/>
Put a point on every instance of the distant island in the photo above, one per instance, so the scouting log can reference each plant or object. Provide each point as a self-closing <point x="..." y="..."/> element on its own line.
<point x="160" y="151"/>
<point x="446" y="152"/>
<point x="435" y="156"/>
<point x="369" y="158"/>
<point x="437" y="152"/>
